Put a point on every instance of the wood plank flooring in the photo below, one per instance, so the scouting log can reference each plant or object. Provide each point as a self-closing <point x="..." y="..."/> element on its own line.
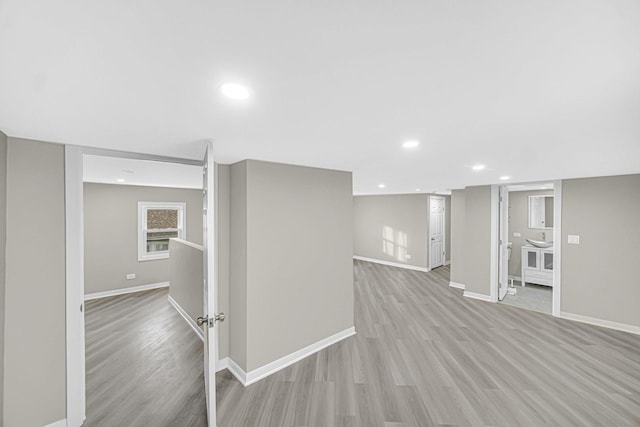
<point x="423" y="356"/>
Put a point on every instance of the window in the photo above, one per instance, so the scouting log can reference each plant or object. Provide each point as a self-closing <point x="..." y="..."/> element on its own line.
<point x="157" y="223"/>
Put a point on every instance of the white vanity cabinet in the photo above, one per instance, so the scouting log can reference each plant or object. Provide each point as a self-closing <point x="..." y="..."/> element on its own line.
<point x="537" y="265"/>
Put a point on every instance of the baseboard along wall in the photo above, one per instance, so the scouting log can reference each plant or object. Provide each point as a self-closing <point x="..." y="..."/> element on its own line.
<point x="124" y="291"/>
<point x="392" y="264"/>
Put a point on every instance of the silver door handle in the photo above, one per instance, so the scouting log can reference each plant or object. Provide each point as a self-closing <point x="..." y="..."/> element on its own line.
<point x="211" y="321"/>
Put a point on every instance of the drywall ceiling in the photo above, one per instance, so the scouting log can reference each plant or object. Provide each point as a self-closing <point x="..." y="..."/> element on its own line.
<point x="120" y="171"/>
<point x="532" y="90"/>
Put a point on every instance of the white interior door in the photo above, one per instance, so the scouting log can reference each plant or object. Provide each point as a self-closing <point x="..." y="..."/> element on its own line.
<point x="503" y="242"/>
<point x="209" y="318"/>
<point x="436" y="232"/>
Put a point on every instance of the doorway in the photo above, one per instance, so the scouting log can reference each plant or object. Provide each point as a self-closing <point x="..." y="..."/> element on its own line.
<point x="75" y="286"/>
<point x="437" y="253"/>
<point x="528" y="246"/>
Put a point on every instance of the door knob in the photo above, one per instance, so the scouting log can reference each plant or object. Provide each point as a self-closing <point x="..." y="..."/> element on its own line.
<point x="211" y="321"/>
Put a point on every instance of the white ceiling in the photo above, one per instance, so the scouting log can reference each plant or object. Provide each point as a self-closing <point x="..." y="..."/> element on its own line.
<point x="534" y="90"/>
<point x="120" y="171"/>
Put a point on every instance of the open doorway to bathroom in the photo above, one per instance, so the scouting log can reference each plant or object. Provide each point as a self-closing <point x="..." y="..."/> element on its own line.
<point x="526" y="246"/>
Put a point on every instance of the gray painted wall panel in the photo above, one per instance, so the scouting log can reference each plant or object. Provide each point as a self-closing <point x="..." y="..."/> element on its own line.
<point x="458" y="235"/>
<point x="389" y="226"/>
<point x="600" y="275"/>
<point x="223" y="230"/>
<point x="238" y="264"/>
<point x="186" y="276"/>
<point x="299" y="258"/>
<point x="111" y="233"/>
<point x="3" y="243"/>
<point x="477" y="242"/>
<point x="34" y="386"/>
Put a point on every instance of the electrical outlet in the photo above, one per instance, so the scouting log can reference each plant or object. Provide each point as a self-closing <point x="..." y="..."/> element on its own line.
<point x="573" y="239"/>
<point x="407" y="256"/>
<point x="131" y="276"/>
<point x="516" y="234"/>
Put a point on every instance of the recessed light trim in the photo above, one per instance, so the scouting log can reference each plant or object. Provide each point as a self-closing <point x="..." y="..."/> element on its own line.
<point x="120" y="180"/>
<point x="505" y="177"/>
<point x="235" y="91"/>
<point x="381" y="186"/>
<point x="478" y="167"/>
<point x="417" y="189"/>
<point x="414" y="143"/>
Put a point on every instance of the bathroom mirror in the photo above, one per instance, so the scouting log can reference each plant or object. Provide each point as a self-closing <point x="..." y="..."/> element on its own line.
<point x="540" y="211"/>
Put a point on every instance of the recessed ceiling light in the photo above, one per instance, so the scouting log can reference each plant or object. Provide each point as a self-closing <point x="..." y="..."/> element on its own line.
<point x="381" y="185"/>
<point x="120" y="180"/>
<point x="417" y="189"/>
<point x="234" y="91"/>
<point x="411" y="144"/>
<point x="478" y="167"/>
<point x="504" y="178"/>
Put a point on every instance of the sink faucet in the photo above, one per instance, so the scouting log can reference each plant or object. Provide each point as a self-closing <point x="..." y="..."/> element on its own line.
<point x="544" y="236"/>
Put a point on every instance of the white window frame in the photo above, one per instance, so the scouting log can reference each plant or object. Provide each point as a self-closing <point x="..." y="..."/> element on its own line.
<point x="143" y="207"/>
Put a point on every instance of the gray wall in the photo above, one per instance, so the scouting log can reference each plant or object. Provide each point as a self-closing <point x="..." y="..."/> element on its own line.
<point x="477" y="242"/>
<point x="400" y="215"/>
<point x="238" y="264"/>
<point x="405" y="217"/>
<point x="519" y="223"/>
<point x="458" y="235"/>
<point x="111" y="233"/>
<point x="34" y="382"/>
<point x="600" y="275"/>
<point x="3" y="242"/>
<point x="296" y="244"/>
<point x="223" y="247"/>
<point x="186" y="276"/>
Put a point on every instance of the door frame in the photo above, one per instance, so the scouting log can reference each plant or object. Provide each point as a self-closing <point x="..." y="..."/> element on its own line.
<point x="74" y="262"/>
<point x="444" y="230"/>
<point x="557" y="241"/>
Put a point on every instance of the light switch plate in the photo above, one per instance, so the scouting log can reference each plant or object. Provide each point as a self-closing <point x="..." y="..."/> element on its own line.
<point x="517" y="234"/>
<point x="573" y="239"/>
<point x="131" y="276"/>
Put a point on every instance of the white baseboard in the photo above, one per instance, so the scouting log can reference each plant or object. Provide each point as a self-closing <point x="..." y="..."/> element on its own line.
<point x="277" y="365"/>
<point x="456" y="285"/>
<point x="59" y="423"/>
<point x="194" y="326"/>
<point x="392" y="264"/>
<point x="222" y="364"/>
<point x="123" y="291"/>
<point x="448" y="262"/>
<point x="518" y="278"/>
<point x="600" y="322"/>
<point x="474" y="295"/>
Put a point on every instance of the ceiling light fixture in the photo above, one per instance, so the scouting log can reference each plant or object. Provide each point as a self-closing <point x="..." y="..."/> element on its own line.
<point x="411" y="144"/>
<point x="417" y="189"/>
<point x="235" y="91"/>
<point x="504" y="178"/>
<point x="478" y="167"/>
<point x="381" y="185"/>
<point x="120" y="180"/>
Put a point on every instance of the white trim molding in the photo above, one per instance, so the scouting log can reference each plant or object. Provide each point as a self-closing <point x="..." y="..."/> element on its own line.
<point x="447" y="262"/>
<point x="222" y="364"/>
<point x="59" y="423"/>
<point x="194" y="326"/>
<point x="124" y="291"/>
<point x="600" y="322"/>
<point x="456" y="285"/>
<point x="279" y="364"/>
<point x="391" y="263"/>
<point x="557" y="249"/>
<point x="481" y="297"/>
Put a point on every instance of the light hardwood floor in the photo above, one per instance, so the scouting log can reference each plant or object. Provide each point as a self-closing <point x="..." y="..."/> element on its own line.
<point x="423" y="355"/>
